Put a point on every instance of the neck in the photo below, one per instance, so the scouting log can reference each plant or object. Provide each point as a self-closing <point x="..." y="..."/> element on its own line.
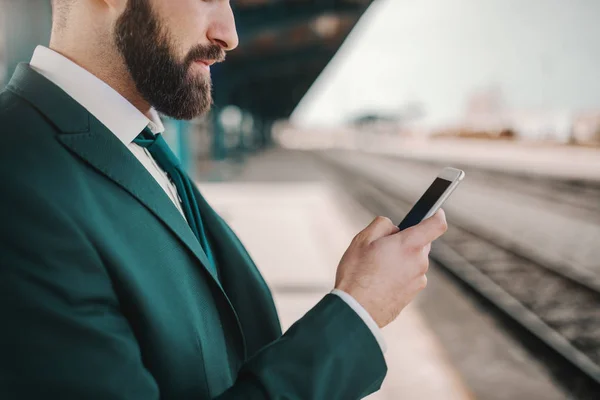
<point x="105" y="63"/>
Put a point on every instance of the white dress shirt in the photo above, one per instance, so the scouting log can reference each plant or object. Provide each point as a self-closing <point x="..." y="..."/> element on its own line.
<point x="126" y="122"/>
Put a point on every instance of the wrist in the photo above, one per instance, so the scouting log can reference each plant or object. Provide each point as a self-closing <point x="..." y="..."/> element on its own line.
<point x="362" y="298"/>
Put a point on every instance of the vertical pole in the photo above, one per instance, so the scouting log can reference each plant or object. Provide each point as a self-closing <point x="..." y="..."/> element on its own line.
<point x="266" y="127"/>
<point x="258" y="132"/>
<point x="220" y="100"/>
<point x="242" y="145"/>
<point x="218" y="136"/>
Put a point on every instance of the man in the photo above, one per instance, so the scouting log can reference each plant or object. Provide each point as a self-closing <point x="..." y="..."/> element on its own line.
<point x="117" y="279"/>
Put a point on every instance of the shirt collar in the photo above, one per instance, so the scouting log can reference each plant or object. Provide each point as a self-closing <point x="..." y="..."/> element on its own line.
<point x="103" y="102"/>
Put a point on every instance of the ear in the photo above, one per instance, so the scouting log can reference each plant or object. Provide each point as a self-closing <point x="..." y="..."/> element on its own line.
<point x="117" y="5"/>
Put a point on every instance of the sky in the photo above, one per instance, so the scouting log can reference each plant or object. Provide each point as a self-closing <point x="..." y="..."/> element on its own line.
<point x="541" y="54"/>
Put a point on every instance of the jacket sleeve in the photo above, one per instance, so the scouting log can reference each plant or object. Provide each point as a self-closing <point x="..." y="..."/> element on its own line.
<point x="63" y="335"/>
<point x="329" y="354"/>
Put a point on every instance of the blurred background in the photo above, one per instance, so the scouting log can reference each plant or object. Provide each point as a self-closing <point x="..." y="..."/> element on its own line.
<point x="331" y="112"/>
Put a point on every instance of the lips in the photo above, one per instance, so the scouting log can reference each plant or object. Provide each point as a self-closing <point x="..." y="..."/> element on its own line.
<point x="205" y="64"/>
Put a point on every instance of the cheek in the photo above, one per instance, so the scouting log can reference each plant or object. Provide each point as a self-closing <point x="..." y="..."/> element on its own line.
<point x="187" y="22"/>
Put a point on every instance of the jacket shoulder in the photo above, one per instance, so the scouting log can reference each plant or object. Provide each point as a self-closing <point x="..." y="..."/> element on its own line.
<point x="19" y="119"/>
<point x="30" y="154"/>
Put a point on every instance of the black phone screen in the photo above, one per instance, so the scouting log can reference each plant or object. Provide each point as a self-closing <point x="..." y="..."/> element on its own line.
<point x="422" y="207"/>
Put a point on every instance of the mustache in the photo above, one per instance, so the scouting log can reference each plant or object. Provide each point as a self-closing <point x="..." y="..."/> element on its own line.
<point x="211" y="52"/>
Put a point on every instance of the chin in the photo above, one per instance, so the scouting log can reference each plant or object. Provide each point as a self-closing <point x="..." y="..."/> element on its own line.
<point x="187" y="112"/>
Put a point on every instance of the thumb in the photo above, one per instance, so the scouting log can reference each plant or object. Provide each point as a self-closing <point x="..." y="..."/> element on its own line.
<point x="428" y="230"/>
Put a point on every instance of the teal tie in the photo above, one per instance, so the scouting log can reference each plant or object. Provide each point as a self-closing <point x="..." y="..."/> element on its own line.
<point x="221" y="376"/>
<point x="159" y="149"/>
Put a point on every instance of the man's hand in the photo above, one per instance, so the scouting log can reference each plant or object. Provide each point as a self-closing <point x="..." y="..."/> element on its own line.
<point x="384" y="269"/>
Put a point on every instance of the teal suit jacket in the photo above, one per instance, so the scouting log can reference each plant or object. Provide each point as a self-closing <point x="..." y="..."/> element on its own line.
<point x="104" y="292"/>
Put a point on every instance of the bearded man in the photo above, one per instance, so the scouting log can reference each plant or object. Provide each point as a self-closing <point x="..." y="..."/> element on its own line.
<point x="117" y="279"/>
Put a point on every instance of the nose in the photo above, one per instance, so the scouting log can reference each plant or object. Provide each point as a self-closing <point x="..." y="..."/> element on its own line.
<point x="222" y="31"/>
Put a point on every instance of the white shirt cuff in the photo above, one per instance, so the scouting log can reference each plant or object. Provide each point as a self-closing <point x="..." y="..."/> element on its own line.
<point x="364" y="315"/>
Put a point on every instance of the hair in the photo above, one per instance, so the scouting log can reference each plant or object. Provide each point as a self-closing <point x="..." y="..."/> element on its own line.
<point x="159" y="75"/>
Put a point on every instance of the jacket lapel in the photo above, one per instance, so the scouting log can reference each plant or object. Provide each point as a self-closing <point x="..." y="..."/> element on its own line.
<point x="102" y="150"/>
<point x="89" y="139"/>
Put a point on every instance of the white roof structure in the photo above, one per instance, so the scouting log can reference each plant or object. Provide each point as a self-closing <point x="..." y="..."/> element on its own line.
<point x="539" y="55"/>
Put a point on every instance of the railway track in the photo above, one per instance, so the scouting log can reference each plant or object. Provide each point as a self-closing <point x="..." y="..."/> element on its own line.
<point x="556" y="308"/>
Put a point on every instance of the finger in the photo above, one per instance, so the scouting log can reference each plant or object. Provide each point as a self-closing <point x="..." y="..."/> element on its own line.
<point x="380" y="227"/>
<point x="427" y="231"/>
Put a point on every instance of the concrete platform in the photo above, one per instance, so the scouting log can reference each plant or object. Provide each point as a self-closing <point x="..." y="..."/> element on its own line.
<point x="311" y="231"/>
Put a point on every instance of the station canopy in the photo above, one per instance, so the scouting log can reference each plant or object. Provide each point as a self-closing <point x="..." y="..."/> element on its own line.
<point x="284" y="46"/>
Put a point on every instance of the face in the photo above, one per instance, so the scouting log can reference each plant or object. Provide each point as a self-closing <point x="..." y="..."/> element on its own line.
<point x="168" y="47"/>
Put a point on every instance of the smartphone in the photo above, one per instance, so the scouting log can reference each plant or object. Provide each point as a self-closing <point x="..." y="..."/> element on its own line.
<point x="433" y="198"/>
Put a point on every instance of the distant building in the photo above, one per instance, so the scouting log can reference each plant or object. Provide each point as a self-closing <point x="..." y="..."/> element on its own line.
<point x="586" y="128"/>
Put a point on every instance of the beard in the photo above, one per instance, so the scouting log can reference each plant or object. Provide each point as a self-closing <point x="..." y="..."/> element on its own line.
<point x="162" y="80"/>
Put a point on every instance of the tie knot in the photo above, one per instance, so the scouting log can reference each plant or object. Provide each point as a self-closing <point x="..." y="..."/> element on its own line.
<point x="159" y="149"/>
<point x="146" y="138"/>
